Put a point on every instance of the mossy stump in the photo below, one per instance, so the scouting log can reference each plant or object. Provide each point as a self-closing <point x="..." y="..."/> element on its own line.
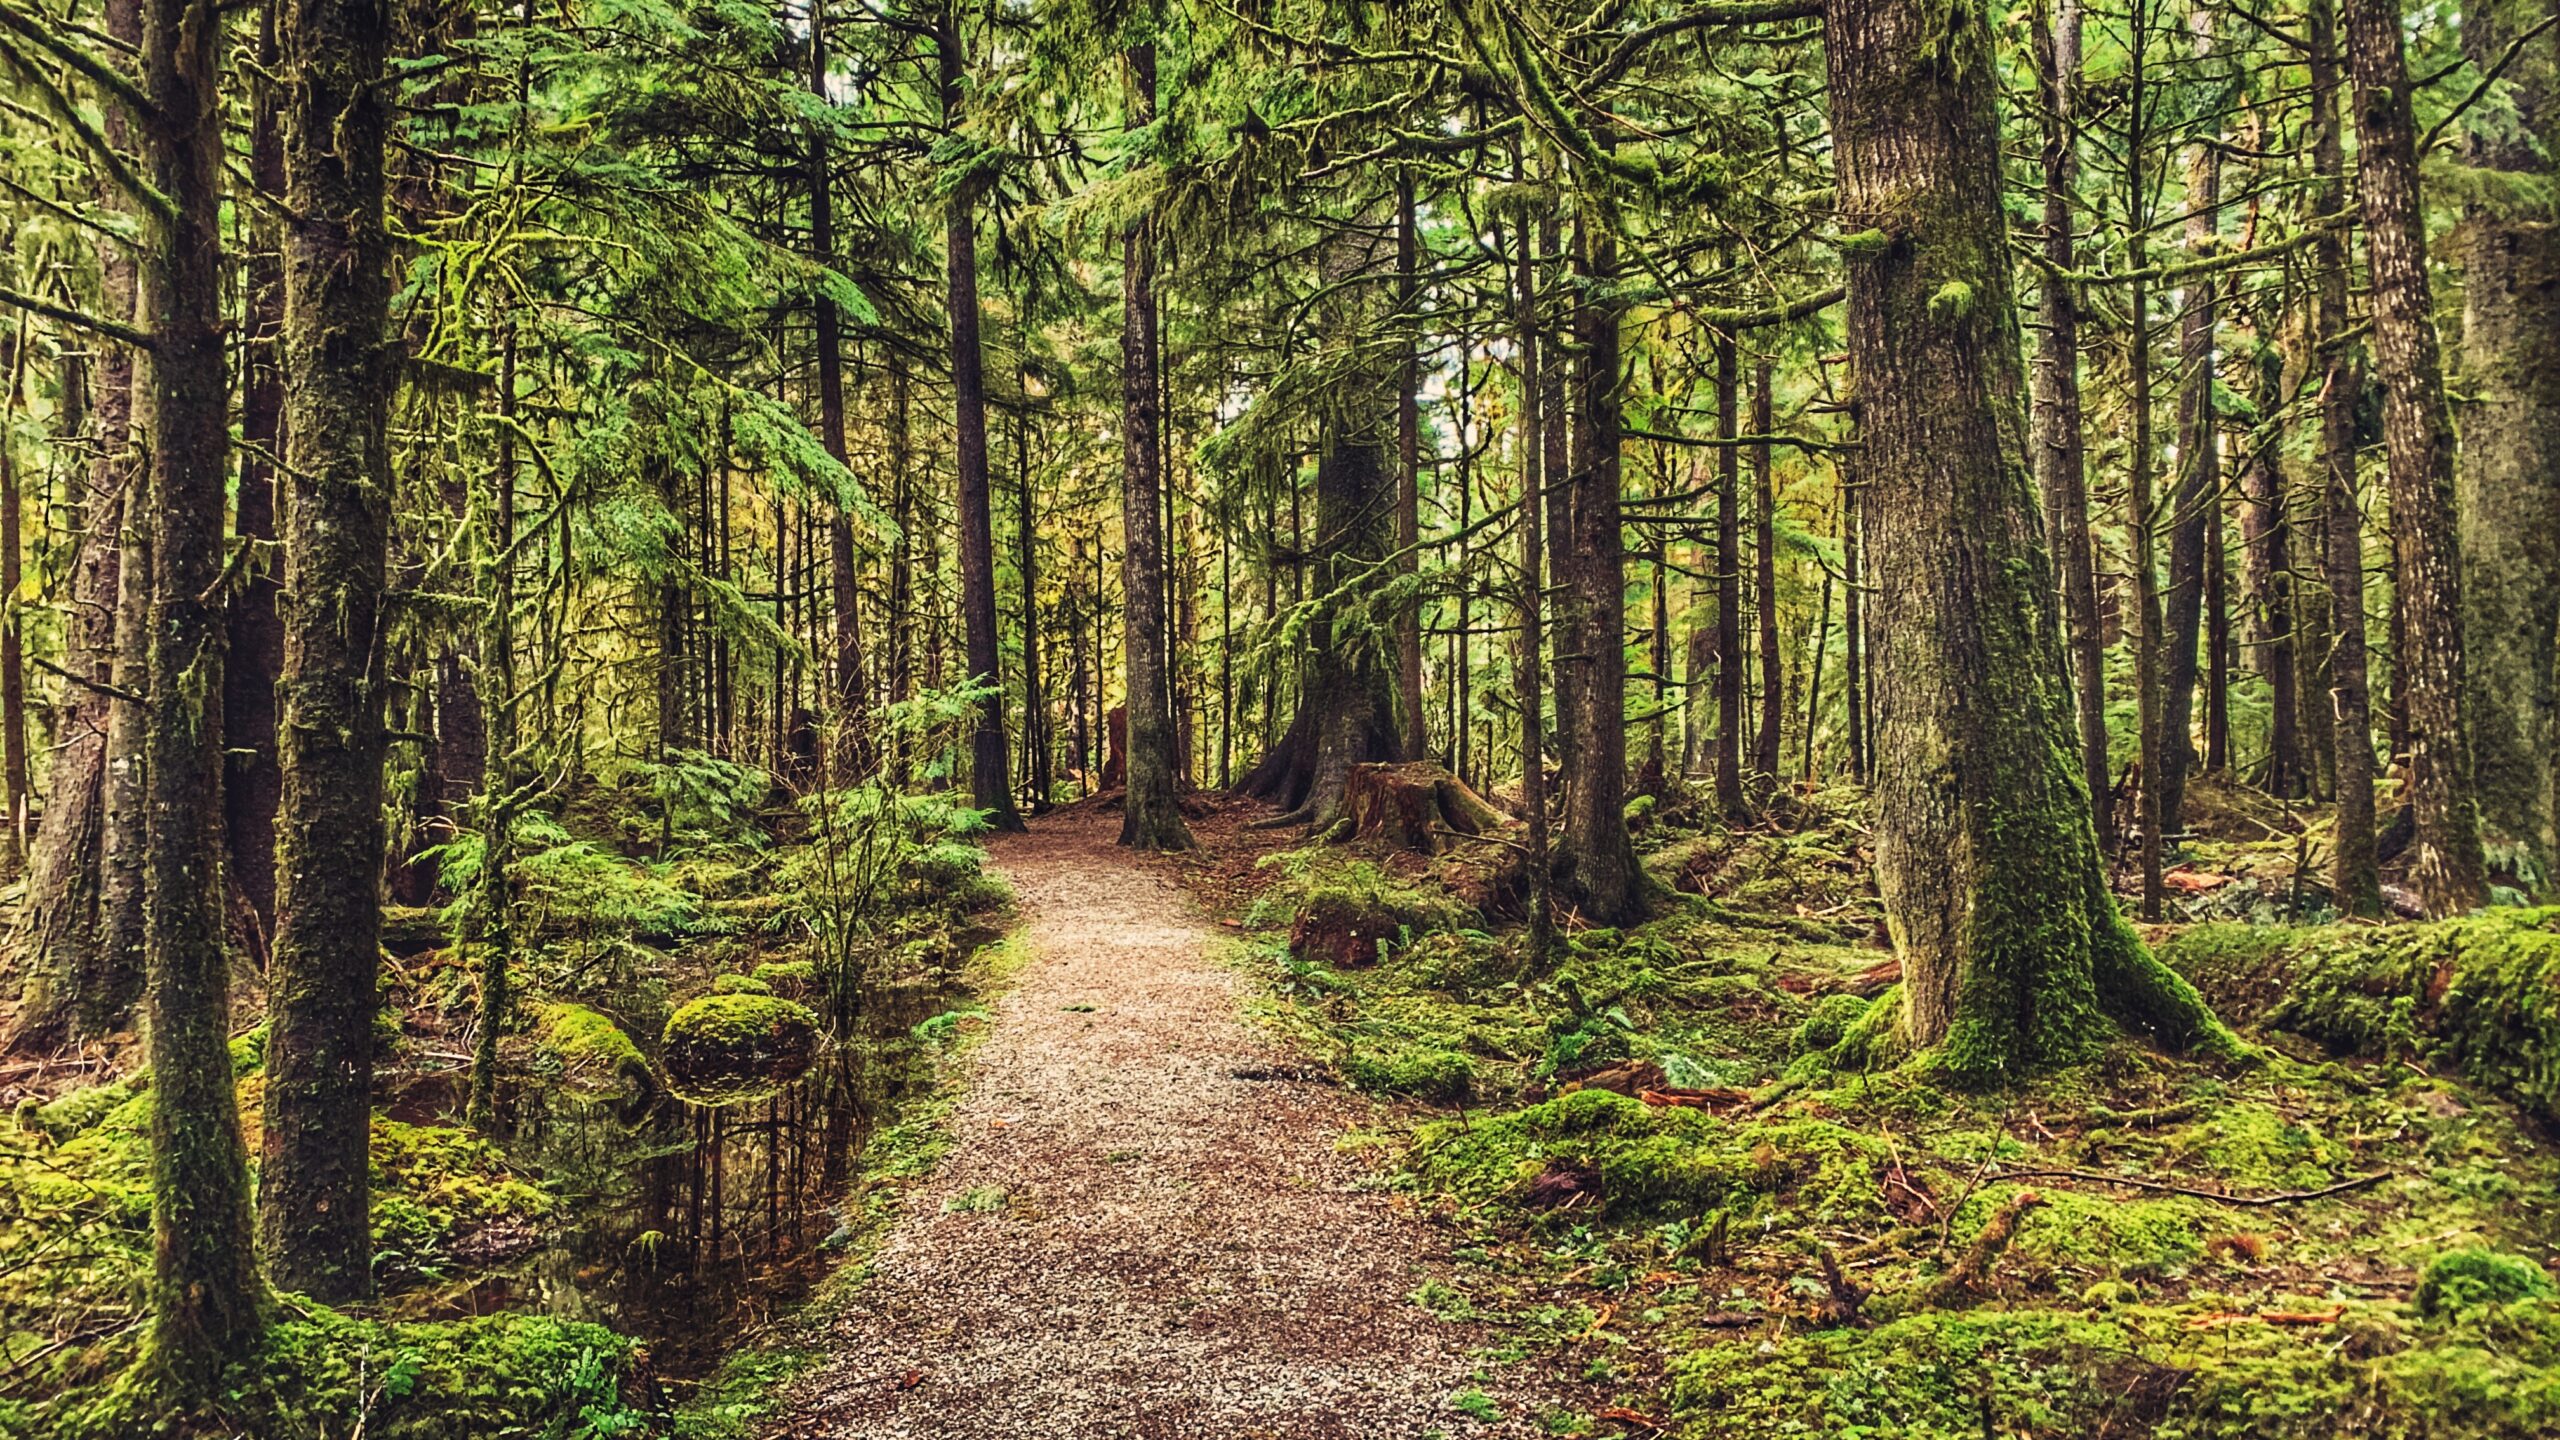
<point x="1418" y="806"/>
<point x="723" y="1049"/>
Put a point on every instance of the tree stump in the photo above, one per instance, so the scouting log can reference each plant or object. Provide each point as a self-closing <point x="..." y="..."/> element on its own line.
<point x="1416" y="806"/>
<point x="1115" y="765"/>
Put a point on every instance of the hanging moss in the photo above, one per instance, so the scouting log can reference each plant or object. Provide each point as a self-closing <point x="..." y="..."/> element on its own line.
<point x="725" y="1049"/>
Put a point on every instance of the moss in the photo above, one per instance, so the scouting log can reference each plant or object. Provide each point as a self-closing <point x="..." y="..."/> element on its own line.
<point x="1642" y="1158"/>
<point x="2074" y="1238"/>
<point x="1830" y="1021"/>
<point x="1427" y="1074"/>
<point x="2481" y="993"/>
<point x="740" y="985"/>
<point x="723" y="1049"/>
<point x="441" y="1192"/>
<point x="595" y="1054"/>
<point x="322" y="1375"/>
<point x="2461" y="1280"/>
<point x="794" y="978"/>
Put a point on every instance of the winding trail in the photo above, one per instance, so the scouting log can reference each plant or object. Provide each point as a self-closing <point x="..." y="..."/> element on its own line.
<point x="1128" y="1240"/>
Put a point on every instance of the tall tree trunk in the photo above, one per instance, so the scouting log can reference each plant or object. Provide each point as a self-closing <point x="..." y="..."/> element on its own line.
<point x="2013" y="952"/>
<point x="2446" y="868"/>
<point x="315" y="1192"/>
<point x="2266" y="537"/>
<point x="1528" y="661"/>
<point x="13" y="661"/>
<point x="1598" y="860"/>
<point x="990" y="785"/>
<point x="2199" y="476"/>
<point x="208" y="1302"/>
<point x="1764" y="548"/>
<point x="1729" y="656"/>
<point x="252" y="781"/>
<point x="70" y="987"/>
<point x="2060" y="448"/>
<point x="855" y="750"/>
<point x="2509" y="502"/>
<point x="2142" y="523"/>
<point x="1151" y="815"/>
<point x="1417" y="740"/>
<point x="2353" y="880"/>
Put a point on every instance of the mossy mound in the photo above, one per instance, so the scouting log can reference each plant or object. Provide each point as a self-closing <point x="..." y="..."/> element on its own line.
<point x="443" y="1197"/>
<point x="740" y="985"/>
<point x="2360" y="1371"/>
<point x="2465" y="1280"/>
<point x="1441" y="1076"/>
<point x="1360" y="914"/>
<point x="1629" y="1157"/>
<point x="595" y="1054"/>
<point x="725" y="1049"/>
<point x="794" y="979"/>
<point x="2481" y="993"/>
<point x="320" y="1375"/>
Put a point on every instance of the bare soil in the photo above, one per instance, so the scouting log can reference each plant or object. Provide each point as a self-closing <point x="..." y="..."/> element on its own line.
<point x="1131" y="1239"/>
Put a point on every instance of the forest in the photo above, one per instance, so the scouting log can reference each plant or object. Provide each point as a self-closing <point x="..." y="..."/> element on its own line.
<point x="1310" y="718"/>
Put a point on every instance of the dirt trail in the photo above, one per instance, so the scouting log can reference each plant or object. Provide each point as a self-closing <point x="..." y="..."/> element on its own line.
<point x="1128" y="1240"/>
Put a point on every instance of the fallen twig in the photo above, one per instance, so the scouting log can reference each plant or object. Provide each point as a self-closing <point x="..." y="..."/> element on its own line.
<point x="2285" y="1197"/>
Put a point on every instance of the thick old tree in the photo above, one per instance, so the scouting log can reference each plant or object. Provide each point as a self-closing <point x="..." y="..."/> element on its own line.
<point x="2014" y="955"/>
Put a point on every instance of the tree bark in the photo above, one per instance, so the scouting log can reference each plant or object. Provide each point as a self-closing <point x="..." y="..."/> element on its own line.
<point x="315" y="1192"/>
<point x="2266" y="538"/>
<point x="2509" y="479"/>
<point x="2446" y="869"/>
<point x="13" y="662"/>
<point x="2353" y="879"/>
<point x="1528" y="658"/>
<point x="1150" y="814"/>
<point x="252" y="782"/>
<point x="2197" y="492"/>
<point x="2060" y="448"/>
<point x="990" y="783"/>
<point x="1764" y="548"/>
<point x="855" y="747"/>
<point x="2013" y="952"/>
<point x="1417" y="739"/>
<point x="208" y="1302"/>
<point x="1597" y="862"/>
<point x="1729" y="657"/>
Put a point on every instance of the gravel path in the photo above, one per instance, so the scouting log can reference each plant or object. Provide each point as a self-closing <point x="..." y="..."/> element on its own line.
<point x="1126" y="1239"/>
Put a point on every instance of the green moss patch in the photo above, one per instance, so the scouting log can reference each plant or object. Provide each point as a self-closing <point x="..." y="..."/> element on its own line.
<point x="728" y="1048"/>
<point x="2480" y="993"/>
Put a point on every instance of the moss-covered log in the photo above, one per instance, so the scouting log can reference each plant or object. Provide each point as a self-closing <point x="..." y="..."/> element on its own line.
<point x="2480" y="993"/>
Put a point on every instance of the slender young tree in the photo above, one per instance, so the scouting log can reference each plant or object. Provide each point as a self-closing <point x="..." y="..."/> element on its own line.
<point x="315" y="1192"/>
<point x="2353" y="879"/>
<point x="2446" y="868"/>
<point x="2060" y="448"/>
<point x="208" y="1303"/>
<point x="2014" y="955"/>
<point x="1597" y="859"/>
<point x="990" y="785"/>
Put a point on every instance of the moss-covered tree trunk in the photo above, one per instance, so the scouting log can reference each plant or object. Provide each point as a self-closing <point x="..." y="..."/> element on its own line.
<point x="990" y="785"/>
<point x="314" y="1199"/>
<point x="207" y="1301"/>
<point x="2014" y="955"/>
<point x="2445" y="869"/>
<point x="1728" y="562"/>
<point x="1150" y="813"/>
<point x="252" y="782"/>
<point x="2509" y="479"/>
<point x="2197" y="492"/>
<point x="848" y="693"/>
<point x="1597" y="862"/>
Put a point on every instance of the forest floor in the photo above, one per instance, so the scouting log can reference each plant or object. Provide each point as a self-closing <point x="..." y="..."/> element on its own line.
<point x="1148" y="1223"/>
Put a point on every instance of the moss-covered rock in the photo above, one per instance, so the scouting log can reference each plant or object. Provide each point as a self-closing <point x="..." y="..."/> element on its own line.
<point x="795" y="979"/>
<point x="723" y="1049"/>
<point x="740" y="985"/>
<point x="594" y="1053"/>
<point x="1426" y="1074"/>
